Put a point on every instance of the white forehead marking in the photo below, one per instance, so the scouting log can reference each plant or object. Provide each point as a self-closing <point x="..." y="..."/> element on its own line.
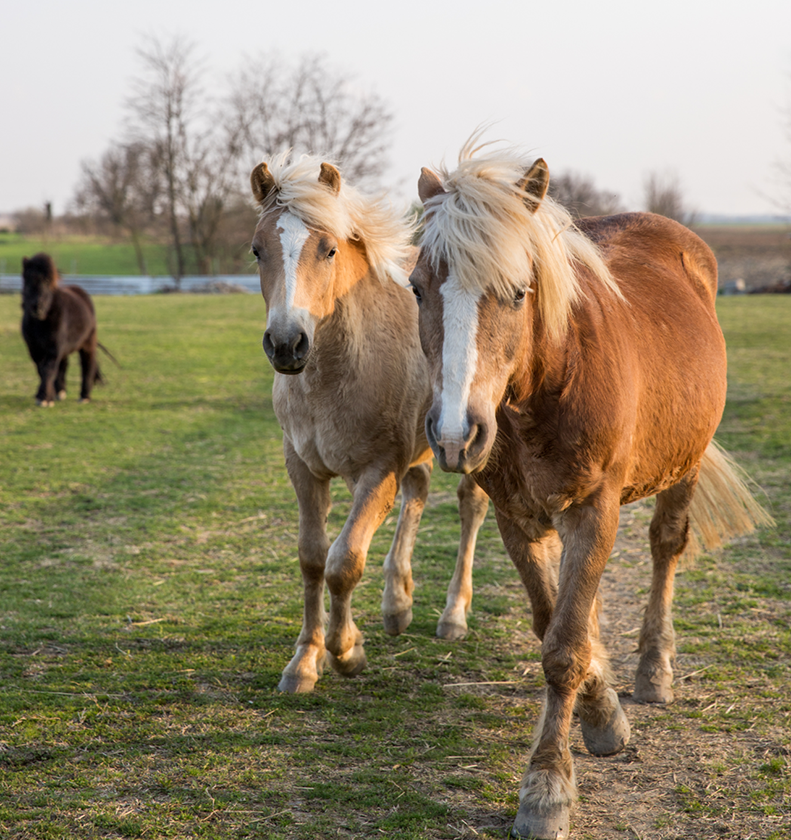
<point x="294" y="235"/>
<point x="459" y="354"/>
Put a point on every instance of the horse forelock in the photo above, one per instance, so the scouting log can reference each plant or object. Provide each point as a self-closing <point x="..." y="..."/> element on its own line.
<point x="484" y="227"/>
<point x="385" y="233"/>
<point x="40" y="267"/>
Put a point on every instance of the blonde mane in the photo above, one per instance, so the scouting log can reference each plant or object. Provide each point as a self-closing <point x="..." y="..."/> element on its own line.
<point x="385" y="233"/>
<point x="489" y="232"/>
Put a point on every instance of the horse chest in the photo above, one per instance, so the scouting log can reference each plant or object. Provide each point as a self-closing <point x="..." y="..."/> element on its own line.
<point x="319" y="428"/>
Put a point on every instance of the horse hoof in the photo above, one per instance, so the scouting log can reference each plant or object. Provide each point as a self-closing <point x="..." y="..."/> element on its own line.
<point x="551" y="825"/>
<point x="296" y="684"/>
<point x="349" y="664"/>
<point x="450" y="631"/>
<point x="61" y="395"/>
<point x="85" y="399"/>
<point x="610" y="737"/>
<point x="653" y="686"/>
<point x="44" y="403"/>
<point x="396" y="623"/>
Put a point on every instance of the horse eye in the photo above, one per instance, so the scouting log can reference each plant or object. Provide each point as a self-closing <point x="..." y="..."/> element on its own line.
<point x="520" y="295"/>
<point x="332" y="253"/>
<point x="255" y="252"/>
<point x="416" y="292"/>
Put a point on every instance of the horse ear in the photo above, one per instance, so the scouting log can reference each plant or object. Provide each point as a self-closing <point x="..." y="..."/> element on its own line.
<point x="535" y="184"/>
<point x="429" y="185"/>
<point x="262" y="182"/>
<point x="330" y="177"/>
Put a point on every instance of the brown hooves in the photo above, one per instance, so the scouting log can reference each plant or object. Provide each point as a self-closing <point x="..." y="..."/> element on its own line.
<point x="653" y="686"/>
<point x="451" y="632"/>
<point x="294" y="684"/>
<point x="350" y="664"/>
<point x="396" y="623"/>
<point x="610" y="737"/>
<point x="552" y="825"/>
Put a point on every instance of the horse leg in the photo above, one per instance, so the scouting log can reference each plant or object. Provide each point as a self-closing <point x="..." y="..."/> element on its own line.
<point x="60" y="378"/>
<point x="536" y="558"/>
<point x="47" y="371"/>
<point x="313" y="495"/>
<point x="548" y="788"/>
<point x="669" y="534"/>
<point x="89" y="366"/>
<point x="374" y="495"/>
<point x="473" y="504"/>
<point x="605" y="727"/>
<point x="397" y="595"/>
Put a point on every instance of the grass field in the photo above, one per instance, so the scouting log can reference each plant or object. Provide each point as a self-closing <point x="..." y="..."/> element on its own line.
<point x="98" y="255"/>
<point x="80" y="255"/>
<point x="150" y="597"/>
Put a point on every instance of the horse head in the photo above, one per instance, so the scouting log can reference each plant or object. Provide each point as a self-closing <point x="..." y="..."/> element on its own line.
<point x="297" y="264"/>
<point x="475" y="327"/>
<point x="40" y="278"/>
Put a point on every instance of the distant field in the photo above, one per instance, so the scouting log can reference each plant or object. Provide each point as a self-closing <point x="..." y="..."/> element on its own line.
<point x="76" y="255"/>
<point x="150" y="596"/>
<point x="758" y="254"/>
<point x="86" y="255"/>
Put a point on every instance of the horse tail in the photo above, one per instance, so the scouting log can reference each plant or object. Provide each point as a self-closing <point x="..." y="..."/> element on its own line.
<point x="722" y="505"/>
<point x="108" y="353"/>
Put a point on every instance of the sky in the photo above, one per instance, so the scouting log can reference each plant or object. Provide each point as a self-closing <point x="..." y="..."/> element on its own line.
<point x="699" y="89"/>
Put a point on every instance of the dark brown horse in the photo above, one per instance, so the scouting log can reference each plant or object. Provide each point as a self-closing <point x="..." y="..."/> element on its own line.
<point x="575" y="368"/>
<point x="56" y="321"/>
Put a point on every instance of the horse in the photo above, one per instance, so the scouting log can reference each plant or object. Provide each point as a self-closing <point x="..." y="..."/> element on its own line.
<point x="576" y="367"/>
<point x="351" y="391"/>
<point x="58" y="320"/>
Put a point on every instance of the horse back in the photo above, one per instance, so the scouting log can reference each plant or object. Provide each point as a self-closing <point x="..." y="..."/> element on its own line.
<point x="661" y="354"/>
<point x="631" y="242"/>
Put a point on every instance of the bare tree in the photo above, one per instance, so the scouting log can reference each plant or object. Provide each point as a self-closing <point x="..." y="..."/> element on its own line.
<point x="186" y="156"/>
<point x="663" y="195"/>
<point x="578" y="194"/>
<point x="309" y="108"/>
<point x="124" y="188"/>
<point x="163" y="112"/>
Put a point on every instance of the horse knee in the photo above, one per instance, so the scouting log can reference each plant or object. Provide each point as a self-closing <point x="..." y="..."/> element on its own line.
<point x="668" y="535"/>
<point x="344" y="570"/>
<point x="565" y="664"/>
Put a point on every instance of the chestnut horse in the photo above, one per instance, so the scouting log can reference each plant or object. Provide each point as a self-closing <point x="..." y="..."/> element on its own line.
<point x="56" y="321"/>
<point x="351" y="392"/>
<point x="576" y="367"/>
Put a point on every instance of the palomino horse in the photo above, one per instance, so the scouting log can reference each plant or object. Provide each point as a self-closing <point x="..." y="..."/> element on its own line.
<point x="575" y="368"/>
<point x="56" y="321"/>
<point x="351" y="392"/>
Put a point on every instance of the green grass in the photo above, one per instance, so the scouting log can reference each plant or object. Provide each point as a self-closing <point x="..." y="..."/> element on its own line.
<point x="80" y="255"/>
<point x="98" y="255"/>
<point x="150" y="597"/>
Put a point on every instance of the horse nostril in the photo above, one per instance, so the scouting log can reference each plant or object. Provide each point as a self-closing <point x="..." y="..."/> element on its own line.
<point x="269" y="347"/>
<point x="430" y="432"/>
<point x="301" y="346"/>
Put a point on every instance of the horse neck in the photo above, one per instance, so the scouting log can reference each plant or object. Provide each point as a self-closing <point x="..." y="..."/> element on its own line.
<point x="544" y="364"/>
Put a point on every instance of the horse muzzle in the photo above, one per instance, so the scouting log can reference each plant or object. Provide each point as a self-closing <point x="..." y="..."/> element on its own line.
<point x="460" y="453"/>
<point x="287" y="355"/>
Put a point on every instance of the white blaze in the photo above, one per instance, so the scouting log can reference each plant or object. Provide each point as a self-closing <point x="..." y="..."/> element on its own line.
<point x="459" y="356"/>
<point x="294" y="234"/>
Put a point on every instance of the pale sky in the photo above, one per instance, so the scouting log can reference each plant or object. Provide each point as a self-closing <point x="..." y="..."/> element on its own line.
<point x="613" y="89"/>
